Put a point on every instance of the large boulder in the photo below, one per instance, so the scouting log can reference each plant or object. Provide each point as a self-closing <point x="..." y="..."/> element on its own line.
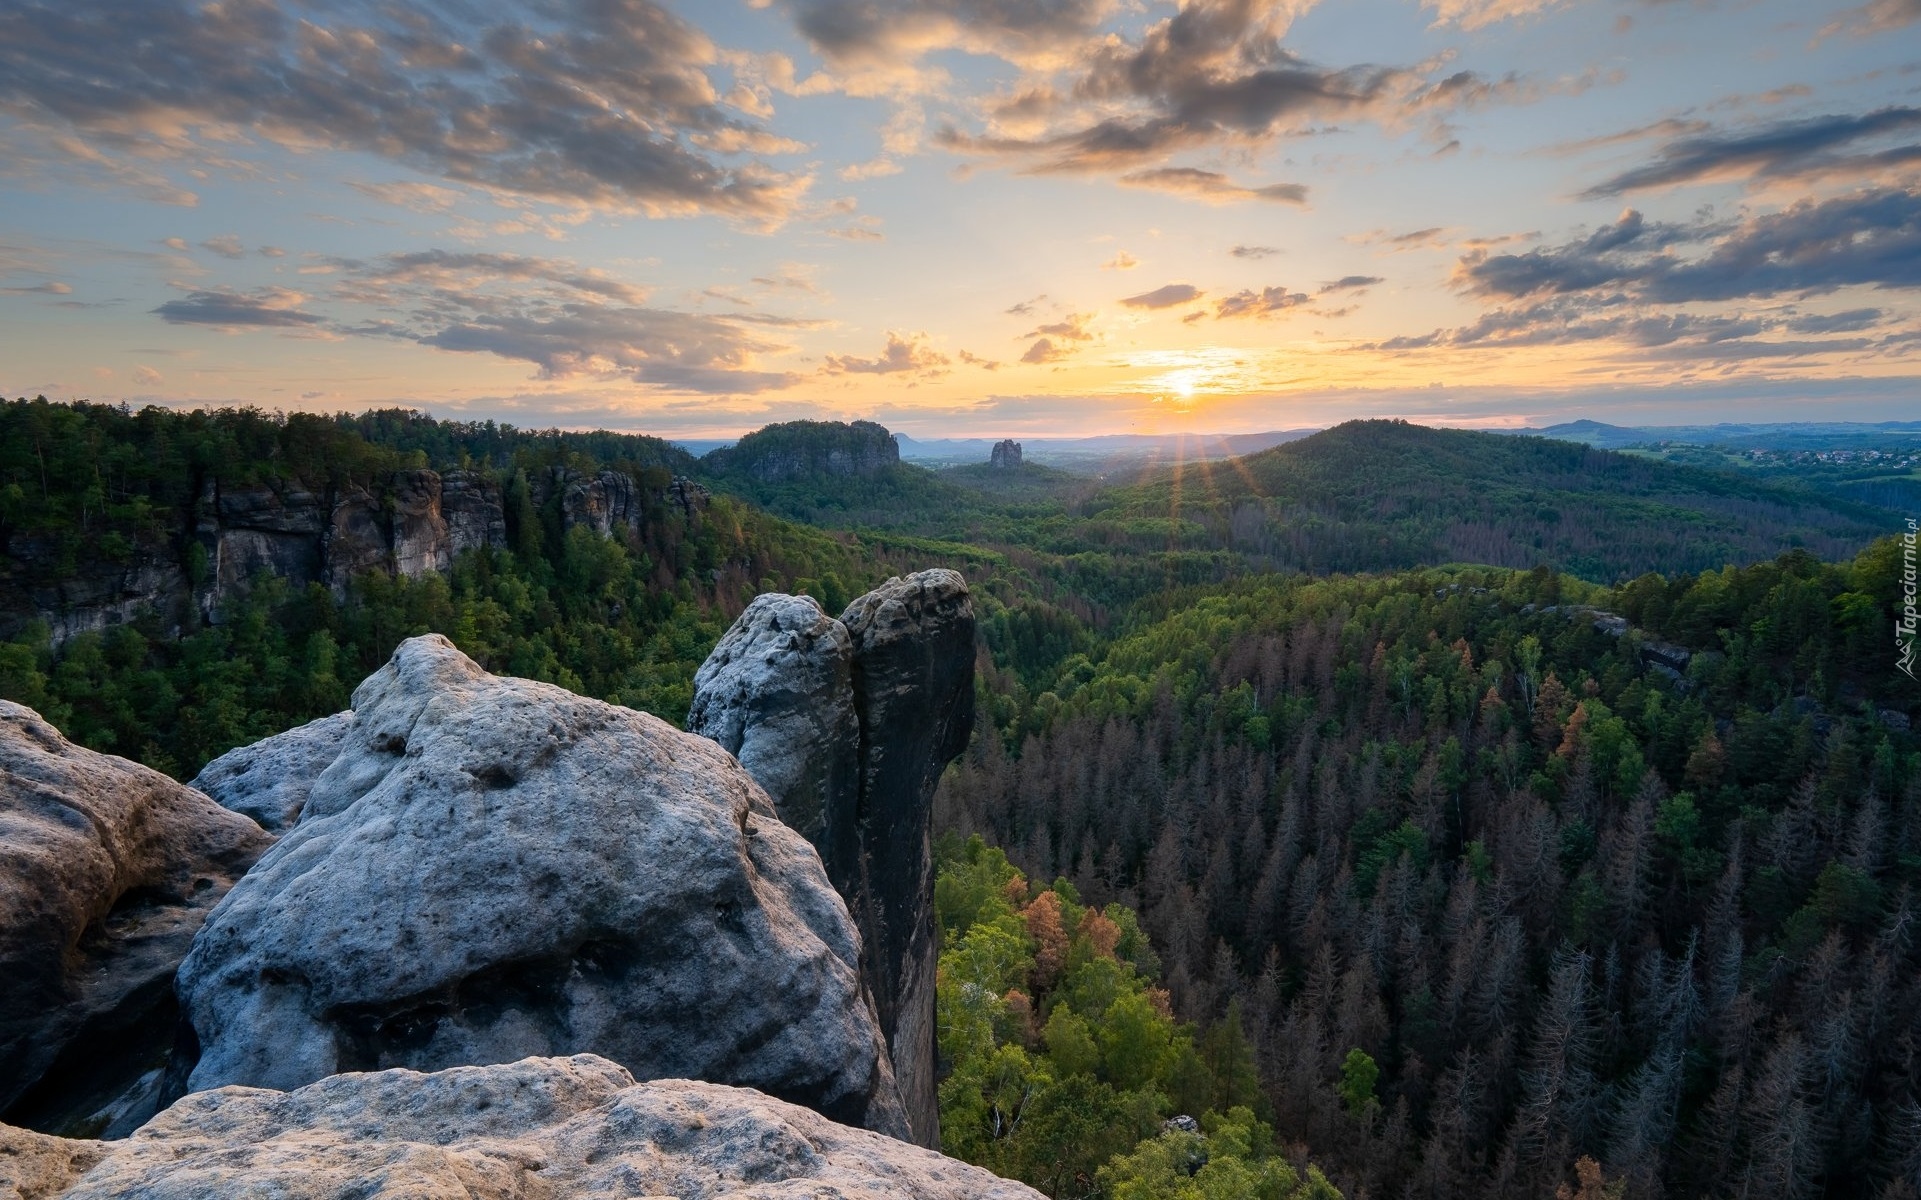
<point x="269" y="780"/>
<point x="848" y="724"/>
<point x="495" y="868"/>
<point x="778" y="693"/>
<point x="559" y="1128"/>
<point x="107" y="870"/>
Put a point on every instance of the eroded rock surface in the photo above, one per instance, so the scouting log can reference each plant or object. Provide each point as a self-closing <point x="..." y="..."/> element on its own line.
<point x="558" y="1128"/>
<point x="495" y="868"/>
<point x="269" y="780"/>
<point x="778" y="693"/>
<point x="885" y="695"/>
<point x="107" y="869"/>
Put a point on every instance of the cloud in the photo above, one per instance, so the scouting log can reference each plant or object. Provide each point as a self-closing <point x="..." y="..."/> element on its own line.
<point x="1046" y="351"/>
<point x="1121" y="262"/>
<point x="426" y="198"/>
<point x="1071" y="328"/>
<point x="264" y="308"/>
<point x="1164" y="297"/>
<point x="1256" y="252"/>
<point x="598" y="102"/>
<point x="1026" y="307"/>
<point x="455" y="273"/>
<point x="1871" y="238"/>
<point x="48" y="287"/>
<point x="1351" y="283"/>
<point x="1211" y="186"/>
<point x="147" y="377"/>
<point x="887" y="36"/>
<point x="676" y="351"/>
<point x="903" y="354"/>
<point x="1264" y="303"/>
<point x="975" y="360"/>
<point x="1783" y="149"/>
<point x="226" y="245"/>
<point x="1879" y="16"/>
<point x="1478" y="14"/>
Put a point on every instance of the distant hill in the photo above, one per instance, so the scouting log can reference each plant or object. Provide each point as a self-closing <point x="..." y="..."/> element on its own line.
<point x="1783" y="435"/>
<point x="1372" y="495"/>
<point x="1099" y="455"/>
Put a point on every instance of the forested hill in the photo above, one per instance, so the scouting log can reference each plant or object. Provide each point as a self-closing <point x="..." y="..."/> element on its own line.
<point x="1376" y="495"/>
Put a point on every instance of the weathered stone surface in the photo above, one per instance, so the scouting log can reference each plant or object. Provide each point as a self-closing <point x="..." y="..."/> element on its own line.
<point x="848" y="725"/>
<point x="471" y="505"/>
<point x="269" y="780"/>
<point x="356" y="542"/>
<point x="492" y="868"/>
<point x="417" y="531"/>
<point x="550" y="1128"/>
<point x="913" y="675"/>
<point x="107" y="869"/>
<point x="778" y="693"/>
<point x="1006" y="454"/>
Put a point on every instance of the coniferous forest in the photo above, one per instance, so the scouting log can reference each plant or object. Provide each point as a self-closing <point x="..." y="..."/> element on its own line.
<point x="1424" y="813"/>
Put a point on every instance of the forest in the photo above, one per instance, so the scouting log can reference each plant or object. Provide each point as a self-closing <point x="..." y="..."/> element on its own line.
<point x="1423" y="813"/>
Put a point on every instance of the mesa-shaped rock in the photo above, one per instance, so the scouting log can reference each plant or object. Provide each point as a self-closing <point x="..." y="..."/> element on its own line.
<point x="885" y="695"/>
<point x="107" y="870"/>
<point x="269" y="780"/>
<point x="495" y="868"/>
<point x="559" y="1128"/>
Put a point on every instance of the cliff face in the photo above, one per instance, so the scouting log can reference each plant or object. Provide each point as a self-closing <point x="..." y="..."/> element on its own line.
<point x="805" y="449"/>
<point x="848" y="724"/>
<point x="411" y="524"/>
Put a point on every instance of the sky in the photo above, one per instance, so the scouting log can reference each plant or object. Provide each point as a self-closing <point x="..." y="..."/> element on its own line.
<point x="967" y="217"/>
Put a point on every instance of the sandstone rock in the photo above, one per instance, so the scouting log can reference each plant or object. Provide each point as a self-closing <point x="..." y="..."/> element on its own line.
<point x="471" y="505"/>
<point x="492" y="868"/>
<point x="558" y="1128"/>
<point x="914" y="693"/>
<point x="778" y="693"/>
<point x="848" y="725"/>
<point x="1006" y="454"/>
<point x="269" y="780"/>
<point x="107" y="869"/>
<point x="417" y="532"/>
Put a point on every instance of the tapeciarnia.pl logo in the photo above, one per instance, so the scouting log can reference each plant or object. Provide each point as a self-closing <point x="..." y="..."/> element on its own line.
<point x="1904" y="625"/>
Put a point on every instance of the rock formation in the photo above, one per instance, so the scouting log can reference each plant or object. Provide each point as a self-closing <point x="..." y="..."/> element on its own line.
<point x="772" y="692"/>
<point x="269" y="779"/>
<point x="804" y="449"/>
<point x="107" y="869"/>
<point x="492" y="868"/>
<point x="1006" y="454"/>
<point x="561" y="1128"/>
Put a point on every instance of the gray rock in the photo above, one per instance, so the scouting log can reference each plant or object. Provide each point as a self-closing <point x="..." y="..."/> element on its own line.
<point x="1006" y="454"/>
<point x="848" y="725"/>
<point x="914" y="693"/>
<point x="554" y="1128"/>
<point x="107" y="869"/>
<point x="269" y="779"/>
<point x="778" y="693"/>
<point x="492" y="868"/>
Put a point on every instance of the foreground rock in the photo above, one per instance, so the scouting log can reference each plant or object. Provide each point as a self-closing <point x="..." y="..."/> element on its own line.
<point x="495" y="868"/>
<point x="560" y="1128"/>
<point x="848" y="725"/>
<point x="270" y="779"/>
<point x="107" y="870"/>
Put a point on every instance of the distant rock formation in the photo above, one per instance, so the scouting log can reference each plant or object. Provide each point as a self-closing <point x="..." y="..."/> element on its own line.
<point x="491" y="868"/>
<point x="411" y="524"/>
<point x="784" y="690"/>
<point x="107" y="870"/>
<point x="1006" y="455"/>
<point x="561" y="1128"/>
<point x="808" y="449"/>
<point x="269" y="780"/>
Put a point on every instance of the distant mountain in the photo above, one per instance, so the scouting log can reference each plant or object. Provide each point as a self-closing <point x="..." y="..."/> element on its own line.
<point x="1372" y="495"/>
<point x="1093" y="455"/>
<point x="1784" y="435"/>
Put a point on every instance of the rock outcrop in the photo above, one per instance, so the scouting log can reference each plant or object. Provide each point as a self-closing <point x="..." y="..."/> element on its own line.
<point x="808" y="449"/>
<point x="772" y="692"/>
<point x="560" y="1128"/>
<point x="269" y="780"/>
<point x="1006" y="454"/>
<point x="107" y="870"/>
<point x="494" y="868"/>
